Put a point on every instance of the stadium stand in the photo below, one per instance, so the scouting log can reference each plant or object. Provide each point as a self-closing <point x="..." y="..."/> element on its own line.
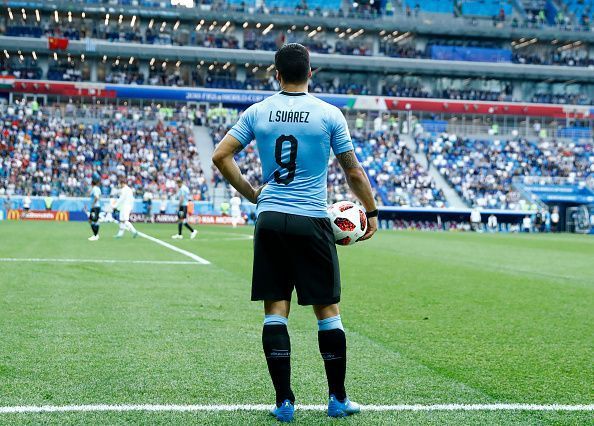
<point x="581" y="10"/>
<point x="320" y="40"/>
<point x="482" y="171"/>
<point x="397" y="177"/>
<point x="57" y="150"/>
<point x="565" y="14"/>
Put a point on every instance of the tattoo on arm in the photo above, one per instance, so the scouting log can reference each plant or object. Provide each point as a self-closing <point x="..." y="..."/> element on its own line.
<point x="348" y="160"/>
<point x="238" y="150"/>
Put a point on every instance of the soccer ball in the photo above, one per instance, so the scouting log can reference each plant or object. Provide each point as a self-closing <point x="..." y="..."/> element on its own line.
<point x="349" y="222"/>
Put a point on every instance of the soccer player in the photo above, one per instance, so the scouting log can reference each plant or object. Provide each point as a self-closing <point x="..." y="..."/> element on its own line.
<point x="147" y="200"/>
<point x="27" y="202"/>
<point x="294" y="243"/>
<point x="95" y="209"/>
<point x="183" y="196"/>
<point x="124" y="205"/>
<point x="235" y="203"/>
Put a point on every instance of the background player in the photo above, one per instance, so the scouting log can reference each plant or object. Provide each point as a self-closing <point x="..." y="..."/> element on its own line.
<point x="147" y="200"/>
<point x="95" y="208"/>
<point x="235" y="203"/>
<point x="124" y="205"/>
<point x="183" y="196"/>
<point x="294" y="243"/>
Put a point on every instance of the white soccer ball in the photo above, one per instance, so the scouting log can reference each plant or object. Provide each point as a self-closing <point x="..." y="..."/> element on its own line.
<point x="349" y="222"/>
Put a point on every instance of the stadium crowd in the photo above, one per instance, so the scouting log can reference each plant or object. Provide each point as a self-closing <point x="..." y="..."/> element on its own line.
<point x="399" y="179"/>
<point x="56" y="151"/>
<point x="483" y="171"/>
<point x="569" y="15"/>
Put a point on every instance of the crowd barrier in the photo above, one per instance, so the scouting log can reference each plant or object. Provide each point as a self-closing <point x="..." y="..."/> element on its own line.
<point x="205" y="213"/>
<point x="58" y="216"/>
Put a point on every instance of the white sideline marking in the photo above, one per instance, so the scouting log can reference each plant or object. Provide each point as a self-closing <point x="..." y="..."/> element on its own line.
<point x="262" y="407"/>
<point x="144" y="262"/>
<point x="174" y="248"/>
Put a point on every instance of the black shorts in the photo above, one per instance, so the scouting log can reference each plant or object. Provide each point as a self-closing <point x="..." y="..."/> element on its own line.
<point x="182" y="212"/>
<point x="292" y="251"/>
<point x="94" y="214"/>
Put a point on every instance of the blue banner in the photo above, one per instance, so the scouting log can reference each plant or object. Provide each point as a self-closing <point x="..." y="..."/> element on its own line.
<point x="562" y="193"/>
<point x="236" y="97"/>
<point x="473" y="54"/>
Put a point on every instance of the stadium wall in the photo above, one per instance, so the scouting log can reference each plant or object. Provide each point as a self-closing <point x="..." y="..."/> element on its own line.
<point x="74" y="210"/>
<point x="76" y="206"/>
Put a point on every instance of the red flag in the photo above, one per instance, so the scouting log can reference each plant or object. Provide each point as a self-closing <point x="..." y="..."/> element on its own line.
<point x="57" y="43"/>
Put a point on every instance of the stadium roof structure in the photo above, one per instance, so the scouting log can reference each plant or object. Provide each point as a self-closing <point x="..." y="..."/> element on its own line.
<point x="97" y="48"/>
<point x="433" y="24"/>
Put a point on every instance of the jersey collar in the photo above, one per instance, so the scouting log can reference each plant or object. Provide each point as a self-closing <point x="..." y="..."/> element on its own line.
<point x="282" y="92"/>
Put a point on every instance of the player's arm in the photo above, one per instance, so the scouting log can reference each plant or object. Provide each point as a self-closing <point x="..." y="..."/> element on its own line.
<point x="224" y="161"/>
<point x="359" y="184"/>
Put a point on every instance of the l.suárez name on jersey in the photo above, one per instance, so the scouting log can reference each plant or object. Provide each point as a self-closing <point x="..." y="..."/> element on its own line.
<point x="288" y="117"/>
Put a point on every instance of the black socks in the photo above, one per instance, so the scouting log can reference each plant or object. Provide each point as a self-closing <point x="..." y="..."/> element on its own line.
<point x="333" y="349"/>
<point x="277" y="348"/>
<point x="180" y="225"/>
<point x="95" y="228"/>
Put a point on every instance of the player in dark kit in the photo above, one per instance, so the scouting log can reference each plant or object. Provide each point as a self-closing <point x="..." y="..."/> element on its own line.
<point x="95" y="209"/>
<point x="294" y="243"/>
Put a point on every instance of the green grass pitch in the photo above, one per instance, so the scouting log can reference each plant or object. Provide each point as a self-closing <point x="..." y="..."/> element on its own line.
<point x="431" y="318"/>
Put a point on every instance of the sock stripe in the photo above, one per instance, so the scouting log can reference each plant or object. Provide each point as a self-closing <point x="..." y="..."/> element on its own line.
<point x="330" y="323"/>
<point x="275" y="320"/>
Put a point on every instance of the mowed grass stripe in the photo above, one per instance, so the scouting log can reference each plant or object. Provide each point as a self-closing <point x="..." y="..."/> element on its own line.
<point x="512" y="257"/>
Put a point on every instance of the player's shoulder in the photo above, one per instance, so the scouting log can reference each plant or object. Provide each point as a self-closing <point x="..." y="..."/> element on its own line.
<point x="328" y="108"/>
<point x="255" y="107"/>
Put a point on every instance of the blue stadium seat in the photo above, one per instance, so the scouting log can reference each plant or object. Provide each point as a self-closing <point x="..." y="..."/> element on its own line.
<point x="580" y="8"/>
<point x="313" y="4"/>
<point x="247" y="3"/>
<point x="486" y="8"/>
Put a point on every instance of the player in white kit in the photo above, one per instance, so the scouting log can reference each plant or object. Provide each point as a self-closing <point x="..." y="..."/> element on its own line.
<point x="125" y="205"/>
<point x="235" y="203"/>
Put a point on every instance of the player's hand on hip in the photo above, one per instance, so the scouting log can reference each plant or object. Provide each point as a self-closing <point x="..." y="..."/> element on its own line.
<point x="371" y="229"/>
<point x="257" y="193"/>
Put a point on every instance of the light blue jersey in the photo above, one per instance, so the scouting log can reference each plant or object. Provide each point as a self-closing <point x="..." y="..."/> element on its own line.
<point x="95" y="196"/>
<point x="294" y="133"/>
<point x="183" y="193"/>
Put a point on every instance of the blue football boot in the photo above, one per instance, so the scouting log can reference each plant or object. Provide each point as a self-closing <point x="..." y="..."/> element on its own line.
<point x="342" y="409"/>
<point x="285" y="412"/>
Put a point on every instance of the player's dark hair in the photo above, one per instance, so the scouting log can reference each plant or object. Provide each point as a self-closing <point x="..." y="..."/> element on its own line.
<point x="292" y="63"/>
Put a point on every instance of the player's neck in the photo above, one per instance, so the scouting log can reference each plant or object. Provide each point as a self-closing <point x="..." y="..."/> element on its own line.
<point x="294" y="88"/>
